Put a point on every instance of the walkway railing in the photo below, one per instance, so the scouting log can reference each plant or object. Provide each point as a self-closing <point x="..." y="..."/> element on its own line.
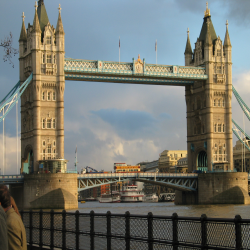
<point x="64" y="230"/>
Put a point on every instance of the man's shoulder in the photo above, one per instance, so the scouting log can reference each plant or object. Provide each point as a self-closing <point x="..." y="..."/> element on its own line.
<point x="13" y="218"/>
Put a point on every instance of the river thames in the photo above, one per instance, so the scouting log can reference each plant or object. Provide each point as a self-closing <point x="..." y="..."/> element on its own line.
<point x="167" y="209"/>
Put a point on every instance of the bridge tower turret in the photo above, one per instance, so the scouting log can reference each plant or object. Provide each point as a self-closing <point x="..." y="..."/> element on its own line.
<point x="209" y="129"/>
<point x="42" y="104"/>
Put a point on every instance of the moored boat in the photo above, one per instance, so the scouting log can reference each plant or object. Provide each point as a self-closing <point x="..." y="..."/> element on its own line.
<point x="110" y="198"/>
<point x="150" y="198"/>
<point x="131" y="193"/>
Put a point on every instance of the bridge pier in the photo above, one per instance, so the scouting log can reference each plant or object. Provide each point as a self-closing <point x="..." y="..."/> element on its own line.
<point x="217" y="188"/>
<point x="47" y="191"/>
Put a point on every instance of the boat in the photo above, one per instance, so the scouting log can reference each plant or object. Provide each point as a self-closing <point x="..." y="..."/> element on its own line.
<point x="150" y="198"/>
<point x="131" y="193"/>
<point x="114" y="197"/>
<point x="90" y="199"/>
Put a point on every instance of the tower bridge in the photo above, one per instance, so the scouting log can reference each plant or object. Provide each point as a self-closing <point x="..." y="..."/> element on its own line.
<point x="206" y="76"/>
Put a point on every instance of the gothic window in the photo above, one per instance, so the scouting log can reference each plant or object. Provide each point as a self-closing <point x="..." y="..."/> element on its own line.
<point x="219" y="127"/>
<point x="43" y="58"/>
<point x="214" y="102"/>
<point x="48" y="97"/>
<point x="49" y="59"/>
<point x="218" y="69"/>
<point x="218" y="103"/>
<point x="43" y="96"/>
<point x="215" y="145"/>
<point x="54" y="123"/>
<point x="43" y="123"/>
<point x="49" y="123"/>
<point x="218" y="52"/>
<point x="220" y="153"/>
<point x="48" y="40"/>
<point x="43" y="143"/>
<point x="215" y="155"/>
<point x="54" y="96"/>
<point x="224" y="145"/>
<point x="54" y="143"/>
<point x="224" y="155"/>
<point x="223" y="128"/>
<point x="44" y="154"/>
<point x="223" y="103"/>
<point x="54" y="58"/>
<point x="215" y="127"/>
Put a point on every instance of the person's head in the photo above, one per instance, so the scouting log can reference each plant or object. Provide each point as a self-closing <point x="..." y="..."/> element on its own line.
<point x="4" y="196"/>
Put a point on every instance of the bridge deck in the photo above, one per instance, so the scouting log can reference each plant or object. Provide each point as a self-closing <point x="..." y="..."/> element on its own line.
<point x="155" y="74"/>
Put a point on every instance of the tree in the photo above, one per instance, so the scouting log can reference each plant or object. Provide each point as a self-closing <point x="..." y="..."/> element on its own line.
<point x="9" y="51"/>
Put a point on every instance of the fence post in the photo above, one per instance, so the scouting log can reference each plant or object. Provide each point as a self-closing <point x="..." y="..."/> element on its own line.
<point x="77" y="228"/>
<point x="175" y="231"/>
<point x="204" y="231"/>
<point x="92" y="230"/>
<point x="108" y="230"/>
<point x="63" y="229"/>
<point x="31" y="228"/>
<point x="150" y="231"/>
<point x="127" y="232"/>
<point x="237" y="221"/>
<point x="52" y="229"/>
<point x="40" y="228"/>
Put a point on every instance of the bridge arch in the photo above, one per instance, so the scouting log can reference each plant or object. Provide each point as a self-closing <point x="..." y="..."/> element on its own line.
<point x="202" y="160"/>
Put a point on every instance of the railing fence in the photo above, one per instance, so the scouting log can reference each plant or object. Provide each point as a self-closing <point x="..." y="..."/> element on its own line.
<point x="65" y="230"/>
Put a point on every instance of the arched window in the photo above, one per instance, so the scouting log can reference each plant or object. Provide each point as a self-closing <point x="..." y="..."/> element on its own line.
<point x="48" y="96"/>
<point x="214" y="102"/>
<point x="215" y="126"/>
<point x="219" y="127"/>
<point x="223" y="103"/>
<point x="49" y="123"/>
<point x="43" y="125"/>
<point x="218" y="103"/>
<point x="43" y="96"/>
<point x="48" y="40"/>
<point x="223" y="129"/>
<point x="54" y="58"/>
<point x="43" y="58"/>
<point x="54" y="96"/>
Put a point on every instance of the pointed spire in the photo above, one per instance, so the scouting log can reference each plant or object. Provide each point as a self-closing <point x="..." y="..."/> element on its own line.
<point x="188" y="49"/>
<point x="208" y="40"/>
<point x="23" y="34"/>
<point x="227" y="39"/>
<point x="59" y="26"/>
<point x="42" y="15"/>
<point x="36" y="25"/>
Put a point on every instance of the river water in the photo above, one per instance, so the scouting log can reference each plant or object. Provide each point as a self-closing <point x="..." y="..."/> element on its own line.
<point x="167" y="209"/>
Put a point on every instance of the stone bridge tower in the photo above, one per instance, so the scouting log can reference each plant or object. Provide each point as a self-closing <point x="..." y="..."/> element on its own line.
<point x="209" y="115"/>
<point x="41" y="50"/>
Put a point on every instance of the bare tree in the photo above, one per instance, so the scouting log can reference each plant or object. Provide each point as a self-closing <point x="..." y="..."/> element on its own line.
<point x="9" y="51"/>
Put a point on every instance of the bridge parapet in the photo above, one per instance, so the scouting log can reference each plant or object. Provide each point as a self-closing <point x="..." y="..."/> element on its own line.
<point x="11" y="179"/>
<point x="103" y="70"/>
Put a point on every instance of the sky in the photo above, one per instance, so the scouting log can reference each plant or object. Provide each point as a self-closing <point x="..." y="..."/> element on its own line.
<point x="112" y="122"/>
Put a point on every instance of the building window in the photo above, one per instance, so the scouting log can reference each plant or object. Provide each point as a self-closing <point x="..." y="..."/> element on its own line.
<point x="223" y="103"/>
<point x="214" y="103"/>
<point x="54" y="96"/>
<point x="215" y="127"/>
<point x="54" y="58"/>
<point x="219" y="127"/>
<point x="49" y="123"/>
<point x="48" y="40"/>
<point x="49" y="59"/>
<point x="43" y="58"/>
<point x="43" y="143"/>
<point x="54" y="143"/>
<point x="223" y="129"/>
<point x="43" y="154"/>
<point x="43" y="96"/>
<point x="215" y="145"/>
<point x="54" y="123"/>
<point x="218" y="103"/>
<point x="218" y="52"/>
<point x="49" y="149"/>
<point x="218" y="69"/>
<point x="43" y="123"/>
<point x="215" y="155"/>
<point x="48" y="96"/>
<point x="224" y="145"/>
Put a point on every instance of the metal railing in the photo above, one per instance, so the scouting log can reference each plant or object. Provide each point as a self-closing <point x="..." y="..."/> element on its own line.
<point x="64" y="230"/>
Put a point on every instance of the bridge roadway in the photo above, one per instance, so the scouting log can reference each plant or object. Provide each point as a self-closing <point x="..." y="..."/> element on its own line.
<point x="179" y="181"/>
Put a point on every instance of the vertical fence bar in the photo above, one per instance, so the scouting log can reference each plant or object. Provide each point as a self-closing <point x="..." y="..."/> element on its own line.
<point x="127" y="232"/>
<point x="204" y="231"/>
<point x="237" y="221"/>
<point x="40" y="228"/>
<point x="150" y="231"/>
<point x="77" y="228"/>
<point x="108" y="215"/>
<point x="52" y="229"/>
<point x="31" y="228"/>
<point x="92" y="230"/>
<point x="175" y="230"/>
<point x="63" y="229"/>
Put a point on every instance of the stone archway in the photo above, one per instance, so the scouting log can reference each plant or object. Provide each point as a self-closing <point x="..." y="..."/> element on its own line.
<point x="202" y="161"/>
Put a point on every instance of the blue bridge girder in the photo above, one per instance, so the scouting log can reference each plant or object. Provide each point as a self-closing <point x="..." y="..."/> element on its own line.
<point x="182" y="182"/>
<point x="11" y="179"/>
<point x="121" y="72"/>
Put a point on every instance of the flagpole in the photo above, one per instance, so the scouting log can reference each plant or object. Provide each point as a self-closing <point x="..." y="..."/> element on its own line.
<point x="156" y="50"/>
<point x="119" y="50"/>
